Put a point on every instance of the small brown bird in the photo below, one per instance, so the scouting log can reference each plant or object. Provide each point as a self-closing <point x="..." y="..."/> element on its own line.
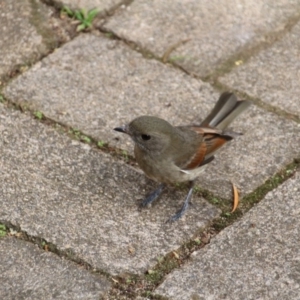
<point x="169" y="154"/>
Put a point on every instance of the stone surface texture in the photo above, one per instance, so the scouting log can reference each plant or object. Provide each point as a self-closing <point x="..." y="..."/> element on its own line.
<point x="273" y="75"/>
<point x="101" y="5"/>
<point x="27" y="32"/>
<point x="26" y="272"/>
<point x="95" y="84"/>
<point x="256" y="258"/>
<point x="216" y="31"/>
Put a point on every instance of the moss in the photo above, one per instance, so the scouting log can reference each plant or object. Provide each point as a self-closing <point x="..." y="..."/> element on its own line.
<point x="3" y="230"/>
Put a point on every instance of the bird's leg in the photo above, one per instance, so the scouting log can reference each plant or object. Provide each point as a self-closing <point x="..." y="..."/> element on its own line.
<point x="185" y="205"/>
<point x="153" y="196"/>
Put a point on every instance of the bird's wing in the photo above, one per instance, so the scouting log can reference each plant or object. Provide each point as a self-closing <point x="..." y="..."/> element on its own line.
<point x="212" y="140"/>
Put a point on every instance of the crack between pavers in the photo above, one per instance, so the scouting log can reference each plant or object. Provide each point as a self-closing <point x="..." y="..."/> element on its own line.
<point x="75" y="134"/>
<point x="17" y="232"/>
<point x="250" y="50"/>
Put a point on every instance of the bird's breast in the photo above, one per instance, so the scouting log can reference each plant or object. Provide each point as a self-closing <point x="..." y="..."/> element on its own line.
<point x="163" y="169"/>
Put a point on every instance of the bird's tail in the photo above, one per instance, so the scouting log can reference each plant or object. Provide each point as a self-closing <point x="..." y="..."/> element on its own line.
<point x="225" y="111"/>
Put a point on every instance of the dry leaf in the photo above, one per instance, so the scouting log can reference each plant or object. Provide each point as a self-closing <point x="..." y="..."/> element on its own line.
<point x="235" y="198"/>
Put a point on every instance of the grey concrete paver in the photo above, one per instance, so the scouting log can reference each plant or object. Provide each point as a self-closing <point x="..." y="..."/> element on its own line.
<point x="95" y="84"/>
<point x="256" y="258"/>
<point x="85" y="201"/>
<point x="101" y="5"/>
<point x="273" y="75"/>
<point x="27" y="272"/>
<point x="27" y="32"/>
<point x="216" y="30"/>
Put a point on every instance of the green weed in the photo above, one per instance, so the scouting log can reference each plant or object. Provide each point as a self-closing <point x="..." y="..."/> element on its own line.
<point x="84" y="17"/>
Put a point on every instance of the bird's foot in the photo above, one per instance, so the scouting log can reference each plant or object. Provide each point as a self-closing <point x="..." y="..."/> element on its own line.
<point x="184" y="207"/>
<point x="153" y="196"/>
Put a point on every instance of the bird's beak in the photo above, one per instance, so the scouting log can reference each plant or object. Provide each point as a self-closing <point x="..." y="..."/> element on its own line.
<point x="123" y="129"/>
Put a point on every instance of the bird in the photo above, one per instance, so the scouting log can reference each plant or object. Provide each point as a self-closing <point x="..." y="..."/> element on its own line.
<point x="172" y="154"/>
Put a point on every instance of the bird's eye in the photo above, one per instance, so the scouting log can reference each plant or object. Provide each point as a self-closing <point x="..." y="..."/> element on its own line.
<point x="146" y="137"/>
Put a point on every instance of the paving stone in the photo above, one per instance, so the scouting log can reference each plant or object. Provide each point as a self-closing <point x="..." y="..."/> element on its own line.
<point x="101" y="5"/>
<point x="95" y="84"/>
<point x="26" y="272"/>
<point x="256" y="258"/>
<point x="216" y="32"/>
<point x="273" y="75"/>
<point x="27" y="32"/>
<point x="85" y="201"/>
